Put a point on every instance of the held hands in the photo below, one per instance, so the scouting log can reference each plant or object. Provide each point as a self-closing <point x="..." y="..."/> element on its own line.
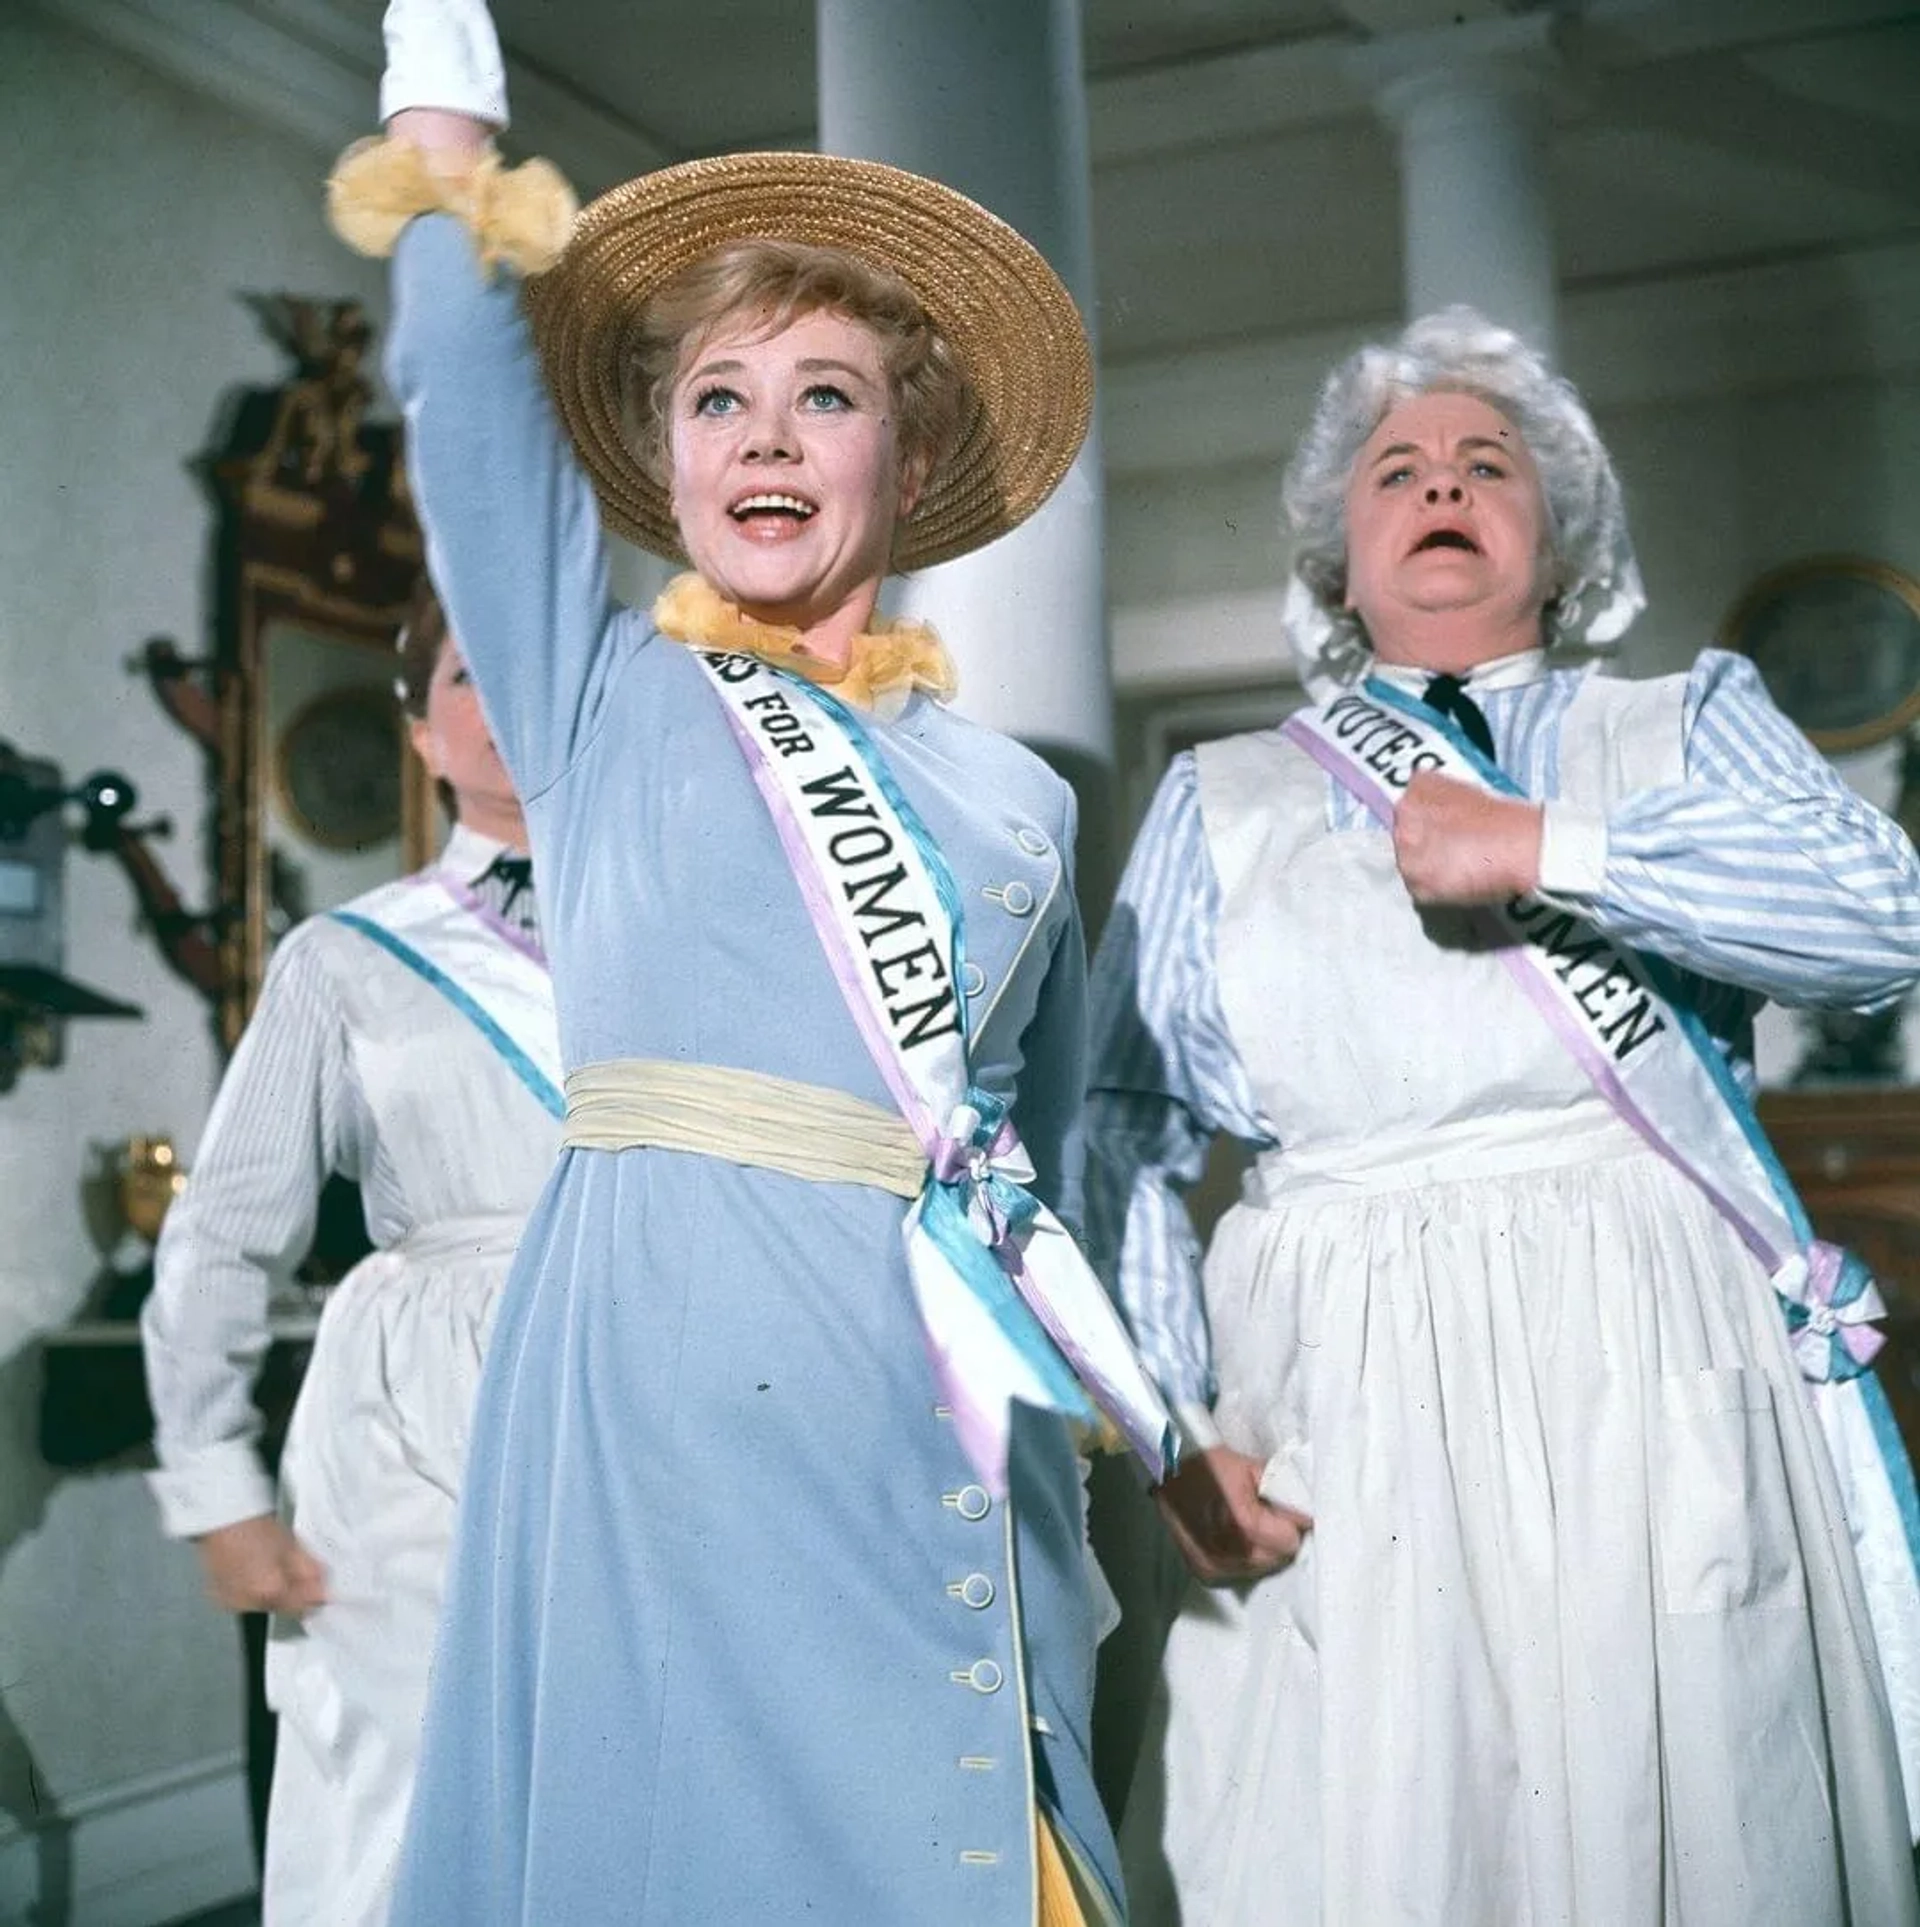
<point x="1456" y="844"/>
<point x="258" y="1566"/>
<point x="1224" y="1530"/>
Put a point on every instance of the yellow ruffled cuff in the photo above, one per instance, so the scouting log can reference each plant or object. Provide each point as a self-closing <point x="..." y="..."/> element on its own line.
<point x="521" y="216"/>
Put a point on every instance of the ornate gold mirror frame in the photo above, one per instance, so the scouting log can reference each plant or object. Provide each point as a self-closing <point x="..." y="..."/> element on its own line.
<point x="319" y="797"/>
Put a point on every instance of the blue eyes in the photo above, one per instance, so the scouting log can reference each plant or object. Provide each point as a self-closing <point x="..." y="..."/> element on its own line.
<point x="1481" y="471"/>
<point x="821" y="399"/>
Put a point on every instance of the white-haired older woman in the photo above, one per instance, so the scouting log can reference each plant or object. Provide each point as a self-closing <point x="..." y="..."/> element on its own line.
<point x="1524" y="1589"/>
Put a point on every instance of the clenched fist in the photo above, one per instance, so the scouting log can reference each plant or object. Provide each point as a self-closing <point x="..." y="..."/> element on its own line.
<point x="258" y="1566"/>
<point x="1456" y="844"/>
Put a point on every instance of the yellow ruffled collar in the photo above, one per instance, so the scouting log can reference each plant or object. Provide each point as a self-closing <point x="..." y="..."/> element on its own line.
<point x="887" y="664"/>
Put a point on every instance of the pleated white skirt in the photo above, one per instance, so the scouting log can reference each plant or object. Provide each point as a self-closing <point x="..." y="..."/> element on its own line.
<point x="1577" y="1637"/>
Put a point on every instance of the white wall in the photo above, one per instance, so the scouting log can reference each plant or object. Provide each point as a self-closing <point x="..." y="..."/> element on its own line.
<point x="134" y="216"/>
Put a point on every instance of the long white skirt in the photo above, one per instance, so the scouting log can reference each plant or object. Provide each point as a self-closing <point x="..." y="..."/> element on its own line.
<point x="369" y="1481"/>
<point x="1578" y="1636"/>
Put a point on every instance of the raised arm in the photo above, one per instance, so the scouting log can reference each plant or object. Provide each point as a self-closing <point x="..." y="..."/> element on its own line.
<point x="514" y="541"/>
<point x="513" y="533"/>
<point x="277" y="1129"/>
<point x="1763" y="869"/>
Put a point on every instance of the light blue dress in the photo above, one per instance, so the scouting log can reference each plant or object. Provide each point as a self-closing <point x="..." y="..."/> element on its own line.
<point x="732" y="1633"/>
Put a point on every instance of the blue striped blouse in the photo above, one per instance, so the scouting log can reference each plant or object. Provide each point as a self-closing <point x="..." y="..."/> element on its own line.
<point x="1762" y="876"/>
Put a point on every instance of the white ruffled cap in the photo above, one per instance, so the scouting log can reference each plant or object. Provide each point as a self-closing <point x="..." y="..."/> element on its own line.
<point x="1308" y="630"/>
<point x="1625" y="596"/>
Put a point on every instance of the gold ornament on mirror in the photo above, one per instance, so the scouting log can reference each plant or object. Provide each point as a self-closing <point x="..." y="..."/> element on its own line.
<point x="151" y="1177"/>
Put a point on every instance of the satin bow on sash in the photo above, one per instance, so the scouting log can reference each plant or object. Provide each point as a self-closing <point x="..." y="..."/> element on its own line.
<point x="1830" y="1301"/>
<point x="979" y="1159"/>
<point x="978" y="1210"/>
<point x="1622" y="1018"/>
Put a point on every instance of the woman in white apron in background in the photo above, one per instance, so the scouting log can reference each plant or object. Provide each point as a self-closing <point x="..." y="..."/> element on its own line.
<point x="1525" y="1585"/>
<point x="406" y="1041"/>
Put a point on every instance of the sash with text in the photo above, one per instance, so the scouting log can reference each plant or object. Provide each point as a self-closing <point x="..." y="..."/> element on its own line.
<point x="1647" y="1053"/>
<point x="1010" y="1308"/>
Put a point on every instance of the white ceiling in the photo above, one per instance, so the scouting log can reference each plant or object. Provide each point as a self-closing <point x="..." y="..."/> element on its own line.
<point x="708" y="74"/>
<point x="1689" y="135"/>
<point x="1243" y="189"/>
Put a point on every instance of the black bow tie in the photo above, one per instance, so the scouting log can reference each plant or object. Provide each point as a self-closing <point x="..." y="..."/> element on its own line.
<point x="516" y="872"/>
<point x="1448" y="695"/>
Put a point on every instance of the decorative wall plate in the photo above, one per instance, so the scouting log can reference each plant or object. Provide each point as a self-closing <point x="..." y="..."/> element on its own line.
<point x="1836" y="639"/>
<point x="337" y="768"/>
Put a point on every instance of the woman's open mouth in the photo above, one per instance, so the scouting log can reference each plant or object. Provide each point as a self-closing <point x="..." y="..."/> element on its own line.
<point x="771" y="506"/>
<point x="1445" y="538"/>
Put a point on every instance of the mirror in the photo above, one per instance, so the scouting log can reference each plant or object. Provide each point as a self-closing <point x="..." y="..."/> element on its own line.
<point x="319" y="796"/>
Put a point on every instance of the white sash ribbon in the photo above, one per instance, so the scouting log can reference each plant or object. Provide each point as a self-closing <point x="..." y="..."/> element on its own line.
<point x="1010" y="1308"/>
<point x="495" y="977"/>
<point x="1653" y="1061"/>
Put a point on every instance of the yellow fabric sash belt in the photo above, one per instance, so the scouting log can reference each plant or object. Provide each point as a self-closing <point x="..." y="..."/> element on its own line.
<point x="746" y="1117"/>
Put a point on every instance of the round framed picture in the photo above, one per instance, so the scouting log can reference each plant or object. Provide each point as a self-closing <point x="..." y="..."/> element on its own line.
<point x="1836" y="639"/>
<point x="338" y="768"/>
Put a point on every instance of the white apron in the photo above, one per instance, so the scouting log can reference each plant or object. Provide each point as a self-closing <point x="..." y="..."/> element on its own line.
<point x="462" y="1097"/>
<point x="1578" y="1635"/>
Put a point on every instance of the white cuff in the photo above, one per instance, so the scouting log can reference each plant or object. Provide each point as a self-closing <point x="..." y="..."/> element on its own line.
<point x="217" y="1486"/>
<point x="1573" y="850"/>
<point x="1198" y="1431"/>
<point x="443" y="53"/>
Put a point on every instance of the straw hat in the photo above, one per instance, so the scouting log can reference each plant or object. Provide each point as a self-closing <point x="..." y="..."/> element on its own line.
<point x="988" y="290"/>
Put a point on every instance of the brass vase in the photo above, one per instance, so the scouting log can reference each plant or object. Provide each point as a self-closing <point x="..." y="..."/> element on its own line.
<point x="150" y="1179"/>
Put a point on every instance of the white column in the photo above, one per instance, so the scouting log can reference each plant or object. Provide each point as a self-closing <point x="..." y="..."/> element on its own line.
<point x="1469" y="106"/>
<point x="988" y="96"/>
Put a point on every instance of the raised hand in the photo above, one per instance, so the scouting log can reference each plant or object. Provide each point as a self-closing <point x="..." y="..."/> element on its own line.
<point x="443" y="54"/>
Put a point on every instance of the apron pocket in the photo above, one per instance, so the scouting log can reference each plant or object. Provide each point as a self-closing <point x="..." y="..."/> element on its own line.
<point x="1723" y="1531"/>
<point x="302" y="1692"/>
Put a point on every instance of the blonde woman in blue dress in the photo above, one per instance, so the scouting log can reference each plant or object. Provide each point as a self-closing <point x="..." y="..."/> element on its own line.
<point x="770" y="1598"/>
<point x="406" y="1041"/>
